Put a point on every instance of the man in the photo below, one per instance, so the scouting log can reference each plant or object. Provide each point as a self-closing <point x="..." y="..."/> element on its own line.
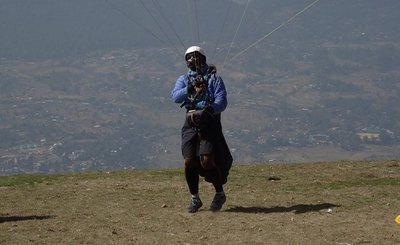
<point x="204" y="148"/>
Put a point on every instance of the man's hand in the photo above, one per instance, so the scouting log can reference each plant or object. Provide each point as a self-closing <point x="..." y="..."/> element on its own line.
<point x="207" y="115"/>
<point x="199" y="84"/>
<point x="201" y="118"/>
<point x="199" y="89"/>
<point x="190" y="88"/>
<point x="199" y="80"/>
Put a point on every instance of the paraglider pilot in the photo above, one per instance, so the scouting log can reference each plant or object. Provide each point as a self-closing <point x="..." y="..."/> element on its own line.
<point x="202" y="93"/>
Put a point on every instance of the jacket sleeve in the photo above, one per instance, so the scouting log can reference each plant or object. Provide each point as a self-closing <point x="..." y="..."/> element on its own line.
<point x="220" y="95"/>
<point x="179" y="93"/>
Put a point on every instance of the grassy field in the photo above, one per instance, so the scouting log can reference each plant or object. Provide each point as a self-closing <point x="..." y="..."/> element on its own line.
<point x="313" y="203"/>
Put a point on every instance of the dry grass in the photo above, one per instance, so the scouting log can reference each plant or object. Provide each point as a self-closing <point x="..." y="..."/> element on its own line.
<point x="319" y="203"/>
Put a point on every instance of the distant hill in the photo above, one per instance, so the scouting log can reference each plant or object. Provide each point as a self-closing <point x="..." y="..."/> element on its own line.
<point x="82" y="90"/>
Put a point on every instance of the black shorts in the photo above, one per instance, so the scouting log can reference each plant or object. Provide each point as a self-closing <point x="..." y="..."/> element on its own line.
<point x="199" y="142"/>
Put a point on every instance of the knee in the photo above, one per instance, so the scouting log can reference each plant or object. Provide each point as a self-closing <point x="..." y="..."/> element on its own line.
<point x="187" y="162"/>
<point x="207" y="161"/>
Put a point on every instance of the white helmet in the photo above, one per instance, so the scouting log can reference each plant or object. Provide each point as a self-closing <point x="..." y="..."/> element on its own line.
<point x="195" y="49"/>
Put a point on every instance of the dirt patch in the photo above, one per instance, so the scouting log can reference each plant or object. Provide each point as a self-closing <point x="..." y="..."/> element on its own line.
<point x="320" y="203"/>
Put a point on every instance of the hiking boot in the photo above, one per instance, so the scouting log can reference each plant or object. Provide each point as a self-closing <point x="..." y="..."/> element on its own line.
<point x="217" y="202"/>
<point x="195" y="204"/>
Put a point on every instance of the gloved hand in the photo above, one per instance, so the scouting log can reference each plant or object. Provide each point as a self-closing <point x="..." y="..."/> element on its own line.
<point x="209" y="111"/>
<point x="200" y="118"/>
<point x="199" y="84"/>
<point x="207" y="115"/>
<point x="199" y="80"/>
<point x="190" y="88"/>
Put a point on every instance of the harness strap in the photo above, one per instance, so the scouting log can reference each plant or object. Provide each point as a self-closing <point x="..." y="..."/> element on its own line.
<point x="193" y="120"/>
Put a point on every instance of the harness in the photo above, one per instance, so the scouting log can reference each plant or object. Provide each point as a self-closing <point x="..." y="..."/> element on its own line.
<point x="193" y="101"/>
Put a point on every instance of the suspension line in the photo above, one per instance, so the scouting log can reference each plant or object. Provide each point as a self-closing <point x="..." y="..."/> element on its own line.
<point x="222" y="29"/>
<point x="158" y="6"/>
<point x="159" y="26"/>
<point x="112" y="6"/>
<point x="237" y="31"/>
<point x="274" y="30"/>
<point x="196" y="18"/>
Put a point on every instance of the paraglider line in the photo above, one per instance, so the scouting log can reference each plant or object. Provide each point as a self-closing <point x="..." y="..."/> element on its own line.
<point x="234" y="37"/>
<point x="274" y="30"/>
<point x="158" y="24"/>
<point x="158" y="6"/>
<point x="222" y="29"/>
<point x="133" y="20"/>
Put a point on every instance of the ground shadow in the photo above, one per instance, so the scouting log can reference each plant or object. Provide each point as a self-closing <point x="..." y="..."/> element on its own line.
<point x="298" y="209"/>
<point x="24" y="218"/>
